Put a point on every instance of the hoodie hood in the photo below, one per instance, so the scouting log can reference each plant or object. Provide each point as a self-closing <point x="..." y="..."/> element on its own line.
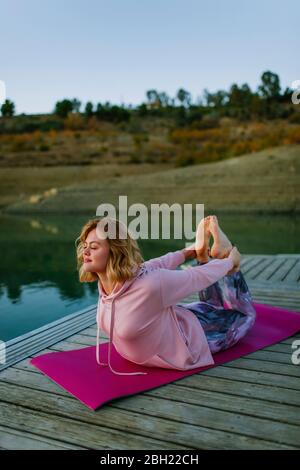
<point x="111" y="299"/>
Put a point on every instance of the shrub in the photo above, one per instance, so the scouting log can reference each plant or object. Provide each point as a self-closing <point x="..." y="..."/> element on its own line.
<point x="74" y="121"/>
<point x="184" y="159"/>
<point x="44" y="148"/>
<point x="293" y="135"/>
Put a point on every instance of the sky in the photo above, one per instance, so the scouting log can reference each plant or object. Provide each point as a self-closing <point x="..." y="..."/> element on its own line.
<point x="116" y="50"/>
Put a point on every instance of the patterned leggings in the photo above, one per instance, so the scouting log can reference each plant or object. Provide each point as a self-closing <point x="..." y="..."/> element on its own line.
<point x="225" y="311"/>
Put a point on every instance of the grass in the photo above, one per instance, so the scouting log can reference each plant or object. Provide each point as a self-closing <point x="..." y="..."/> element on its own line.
<point x="21" y="183"/>
<point x="264" y="181"/>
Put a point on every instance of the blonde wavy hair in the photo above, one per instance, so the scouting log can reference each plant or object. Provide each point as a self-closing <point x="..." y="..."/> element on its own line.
<point x="124" y="253"/>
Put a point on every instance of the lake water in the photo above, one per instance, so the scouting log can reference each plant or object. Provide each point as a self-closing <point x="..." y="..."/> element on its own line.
<point x="38" y="277"/>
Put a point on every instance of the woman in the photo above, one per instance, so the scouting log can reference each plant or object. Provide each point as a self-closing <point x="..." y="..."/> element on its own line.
<point x="137" y="306"/>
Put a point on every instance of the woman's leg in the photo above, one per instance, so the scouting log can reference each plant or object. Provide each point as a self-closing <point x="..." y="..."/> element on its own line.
<point x="225" y="308"/>
<point x="225" y="311"/>
<point x="213" y="294"/>
<point x="238" y="297"/>
<point x="236" y="292"/>
<point x="231" y="291"/>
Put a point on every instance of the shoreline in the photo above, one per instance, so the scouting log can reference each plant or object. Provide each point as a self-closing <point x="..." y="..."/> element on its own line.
<point x="241" y="211"/>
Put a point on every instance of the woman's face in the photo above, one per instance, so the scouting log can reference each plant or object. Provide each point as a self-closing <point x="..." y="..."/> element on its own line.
<point x="95" y="253"/>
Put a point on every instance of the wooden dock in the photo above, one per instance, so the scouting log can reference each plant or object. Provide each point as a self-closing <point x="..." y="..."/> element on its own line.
<point x="249" y="403"/>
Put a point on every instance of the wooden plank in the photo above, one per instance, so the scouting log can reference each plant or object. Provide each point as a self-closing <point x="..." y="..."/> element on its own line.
<point x="279" y="347"/>
<point x="12" y="439"/>
<point x="292" y="306"/>
<point x="265" y="366"/>
<point x="283" y="270"/>
<point x="276" y="357"/>
<point x="36" y="340"/>
<point x="84" y="339"/>
<point x="291" y="339"/>
<point x="288" y="255"/>
<point x="234" y="387"/>
<point x="250" y="404"/>
<point x="91" y="330"/>
<point x="294" y="274"/>
<point x="259" y="268"/>
<point x="192" y="426"/>
<point x="76" y="432"/>
<point x="275" y="291"/>
<point x="68" y="346"/>
<point x="245" y="260"/>
<point x="253" y="264"/>
<point x="254" y="377"/>
<point x="266" y="273"/>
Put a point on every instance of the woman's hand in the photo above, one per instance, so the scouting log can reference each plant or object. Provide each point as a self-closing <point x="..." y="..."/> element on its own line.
<point x="189" y="252"/>
<point x="235" y="255"/>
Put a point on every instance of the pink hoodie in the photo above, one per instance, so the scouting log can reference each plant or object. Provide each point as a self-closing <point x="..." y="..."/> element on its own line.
<point x="143" y="322"/>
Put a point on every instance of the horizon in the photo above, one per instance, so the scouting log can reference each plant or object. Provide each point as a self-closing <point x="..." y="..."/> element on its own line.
<point x="71" y="51"/>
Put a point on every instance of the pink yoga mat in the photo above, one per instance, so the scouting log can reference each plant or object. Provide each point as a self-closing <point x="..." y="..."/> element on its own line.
<point x="78" y="372"/>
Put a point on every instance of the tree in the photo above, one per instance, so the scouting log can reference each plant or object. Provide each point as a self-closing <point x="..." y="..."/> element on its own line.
<point x="63" y="108"/>
<point x="142" y="110"/>
<point x="106" y="112"/>
<point x="153" y="98"/>
<point x="239" y="96"/>
<point x="88" y="109"/>
<point x="270" y="87"/>
<point x="184" y="97"/>
<point x="163" y="99"/>
<point x="286" y="96"/>
<point x="8" y="108"/>
<point x="76" y="105"/>
<point x="239" y="100"/>
<point x="216" y="100"/>
<point x="269" y="92"/>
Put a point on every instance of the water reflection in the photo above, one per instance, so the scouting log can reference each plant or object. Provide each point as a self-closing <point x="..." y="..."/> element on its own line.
<point x="38" y="277"/>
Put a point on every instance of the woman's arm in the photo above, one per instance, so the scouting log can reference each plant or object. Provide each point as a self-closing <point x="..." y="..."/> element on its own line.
<point x="177" y="284"/>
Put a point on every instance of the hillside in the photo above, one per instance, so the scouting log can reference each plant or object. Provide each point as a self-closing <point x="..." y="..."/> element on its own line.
<point x="265" y="181"/>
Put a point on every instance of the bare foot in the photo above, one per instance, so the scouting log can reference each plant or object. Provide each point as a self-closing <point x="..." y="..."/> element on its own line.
<point x="202" y="240"/>
<point x="221" y="246"/>
<point x="235" y="255"/>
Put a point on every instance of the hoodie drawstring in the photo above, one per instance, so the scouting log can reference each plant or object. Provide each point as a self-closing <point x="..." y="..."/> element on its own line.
<point x="98" y="349"/>
<point x="112" y="319"/>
